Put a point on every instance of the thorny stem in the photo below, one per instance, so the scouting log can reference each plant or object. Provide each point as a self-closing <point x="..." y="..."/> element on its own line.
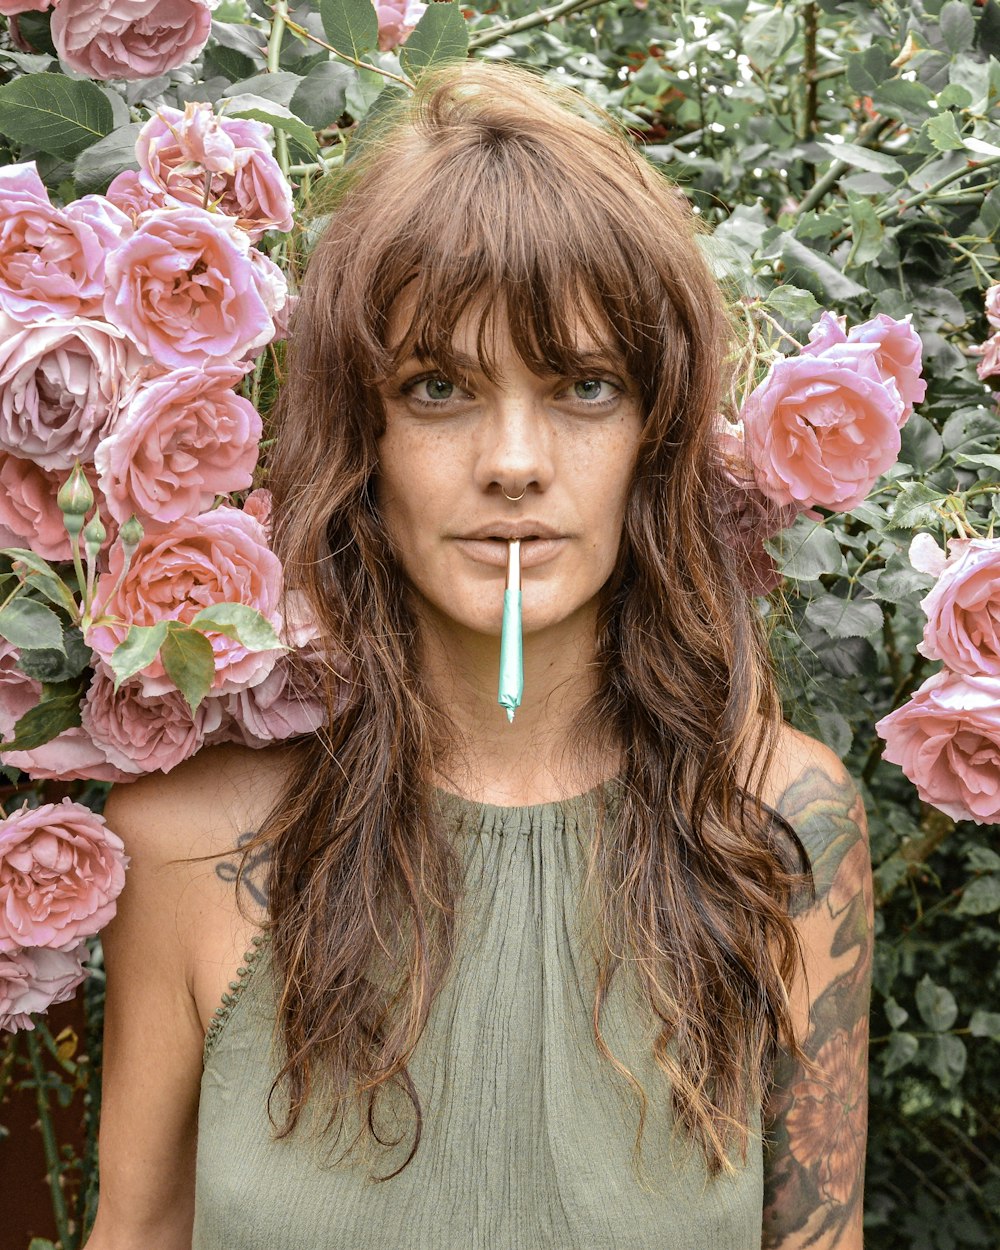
<point x="889" y="211"/>
<point x="542" y="18"/>
<point x="758" y="311"/>
<point x="274" y="41"/>
<point x="344" y="56"/>
<point x="49" y="1140"/>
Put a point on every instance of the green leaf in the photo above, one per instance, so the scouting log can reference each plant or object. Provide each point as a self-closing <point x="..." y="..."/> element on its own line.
<point x="106" y="159"/>
<point x="911" y="102"/>
<point x="947" y="1059"/>
<point x="28" y="623"/>
<point x="350" y="25"/>
<point x="985" y="1024"/>
<point x="895" y="1014"/>
<point x="137" y="650"/>
<point x="806" y="550"/>
<point x="189" y="662"/>
<point x="835" y="731"/>
<point x="321" y="97"/>
<point x="440" y="35"/>
<point x="914" y="507"/>
<point x="817" y="273"/>
<point x="223" y="62"/>
<point x="982" y="859"/>
<point x="844" y="618"/>
<point x="942" y="131"/>
<point x="792" y="303"/>
<point x="238" y="621"/>
<point x="901" y="1050"/>
<point x="958" y="29"/>
<point x="55" y="114"/>
<point x="920" y="443"/>
<point x="51" y="665"/>
<point x="980" y="897"/>
<point x="45" y="721"/>
<point x="768" y="36"/>
<point x="278" y="87"/>
<point x="936" y="1005"/>
<point x="868" y="233"/>
<point x="276" y="115"/>
<point x="863" y="158"/>
<point x="868" y="69"/>
<point x="987" y="461"/>
<point x="39" y="575"/>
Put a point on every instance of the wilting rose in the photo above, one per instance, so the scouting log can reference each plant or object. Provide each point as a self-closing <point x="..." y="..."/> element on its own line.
<point x="989" y="366"/>
<point x="898" y="354"/>
<point x="946" y="739"/>
<point x="61" y="871"/>
<point x="32" y="981"/>
<point x="746" y="517"/>
<point x="396" y="18"/>
<point x="70" y="756"/>
<point x="51" y="259"/>
<point x="129" y="39"/>
<point x="184" y="438"/>
<point x="963" y="610"/>
<point x="29" y="514"/>
<point x="133" y="197"/>
<point x="141" y="734"/>
<point x="217" y="557"/>
<point x="177" y="150"/>
<point x="18" y="692"/>
<point x="821" y="429"/>
<point x="184" y="287"/>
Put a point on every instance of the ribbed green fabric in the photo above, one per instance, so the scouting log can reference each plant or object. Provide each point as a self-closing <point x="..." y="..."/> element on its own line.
<point x="528" y="1131"/>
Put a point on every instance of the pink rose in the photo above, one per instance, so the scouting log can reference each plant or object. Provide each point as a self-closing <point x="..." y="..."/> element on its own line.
<point x="129" y="39"/>
<point x="18" y="692"/>
<point x="70" y="756"/>
<point x="184" y="438"/>
<point x="992" y="302"/>
<point x="821" y="429"/>
<point x="177" y="150"/>
<point x="29" y="514"/>
<point x="963" y="609"/>
<point x="11" y="8"/>
<point x="285" y="704"/>
<point x="746" y="517"/>
<point x="32" y="981"/>
<point x="185" y="288"/>
<point x="61" y="383"/>
<point x="140" y="734"/>
<point x="217" y="557"/>
<point x="273" y="290"/>
<point x="130" y="194"/>
<point x="898" y="352"/>
<point x="52" y="260"/>
<point x="258" y="505"/>
<point x="989" y="366"/>
<point x="61" y="870"/>
<point x="947" y="742"/>
<point x="396" y="18"/>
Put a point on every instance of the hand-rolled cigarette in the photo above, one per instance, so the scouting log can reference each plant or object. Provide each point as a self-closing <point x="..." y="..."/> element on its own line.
<point x="511" y="686"/>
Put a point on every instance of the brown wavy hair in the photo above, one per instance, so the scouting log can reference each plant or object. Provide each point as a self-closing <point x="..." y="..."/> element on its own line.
<point x="488" y="190"/>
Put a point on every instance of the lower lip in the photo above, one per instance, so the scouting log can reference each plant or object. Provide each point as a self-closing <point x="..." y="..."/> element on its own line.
<point x="493" y="551"/>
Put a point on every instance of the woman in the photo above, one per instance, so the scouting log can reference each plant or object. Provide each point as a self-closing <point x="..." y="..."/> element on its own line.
<point x="594" y="978"/>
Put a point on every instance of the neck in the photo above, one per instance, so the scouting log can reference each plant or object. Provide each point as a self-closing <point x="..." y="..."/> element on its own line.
<point x="538" y="758"/>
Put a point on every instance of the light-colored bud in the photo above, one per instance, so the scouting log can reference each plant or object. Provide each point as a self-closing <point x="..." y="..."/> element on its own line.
<point x="75" y="499"/>
<point x="130" y="534"/>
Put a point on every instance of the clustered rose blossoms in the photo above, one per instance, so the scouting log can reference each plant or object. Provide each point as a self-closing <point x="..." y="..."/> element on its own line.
<point x="126" y="323"/>
<point x="946" y="738"/>
<point x="61" y="871"/>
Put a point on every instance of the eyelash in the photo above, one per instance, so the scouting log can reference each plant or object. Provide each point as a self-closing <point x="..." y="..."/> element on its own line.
<point x="409" y="390"/>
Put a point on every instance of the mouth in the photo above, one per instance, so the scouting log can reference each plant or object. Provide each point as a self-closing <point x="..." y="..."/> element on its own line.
<point x="489" y="544"/>
<point x="504" y="531"/>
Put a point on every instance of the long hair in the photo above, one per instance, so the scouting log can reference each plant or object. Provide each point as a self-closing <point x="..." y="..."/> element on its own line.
<point x="489" y="190"/>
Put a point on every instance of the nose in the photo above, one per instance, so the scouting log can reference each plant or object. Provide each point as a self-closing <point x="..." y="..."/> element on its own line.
<point x="515" y="454"/>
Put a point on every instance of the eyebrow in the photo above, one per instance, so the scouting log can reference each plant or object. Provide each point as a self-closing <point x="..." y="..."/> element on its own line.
<point x="592" y="357"/>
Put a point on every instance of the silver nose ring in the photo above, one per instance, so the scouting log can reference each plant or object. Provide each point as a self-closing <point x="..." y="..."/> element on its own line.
<point x="513" y="498"/>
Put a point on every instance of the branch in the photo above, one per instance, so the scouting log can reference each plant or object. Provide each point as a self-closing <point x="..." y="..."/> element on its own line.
<point x="543" y="17"/>
<point x="344" y="56"/>
<point x="935" y="826"/>
<point x="894" y="210"/>
<point x="867" y="137"/>
<point x="274" y="40"/>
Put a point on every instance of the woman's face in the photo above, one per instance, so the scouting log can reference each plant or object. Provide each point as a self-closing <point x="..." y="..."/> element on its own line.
<point x="454" y="445"/>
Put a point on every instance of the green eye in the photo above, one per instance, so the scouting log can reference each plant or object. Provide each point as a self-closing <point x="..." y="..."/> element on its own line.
<point x="439" y="388"/>
<point x="588" y="388"/>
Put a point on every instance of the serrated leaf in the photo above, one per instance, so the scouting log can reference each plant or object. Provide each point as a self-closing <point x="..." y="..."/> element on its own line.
<point x="863" y="158"/>
<point x="351" y="26"/>
<point x="105" y="159"/>
<point x="276" y="115"/>
<point x="920" y="444"/>
<point x="806" y="550"/>
<point x="982" y="859"/>
<point x="942" y="130"/>
<point x="900" y="1051"/>
<point x="189" y="662"/>
<point x="866" y="70"/>
<point x="911" y="102"/>
<point x="807" y="268"/>
<point x="792" y="303"/>
<point x="137" y="650"/>
<point x="985" y="1024"/>
<point x="321" y="97"/>
<point x="980" y="897"/>
<point x="915" y="507"/>
<point x="28" y="623"/>
<point x="958" y="28"/>
<point x="278" y="87"/>
<point x="39" y="575"/>
<point x="844" y="618"/>
<point x="987" y="461"/>
<point x="440" y="35"/>
<point x="238" y="621"/>
<point x="936" y="1004"/>
<point x="55" y="114"/>
<point x="50" y="665"/>
<point x="44" y="722"/>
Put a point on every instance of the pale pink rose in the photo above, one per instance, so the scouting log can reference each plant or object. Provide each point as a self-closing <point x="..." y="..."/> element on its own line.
<point x="217" y="557"/>
<point x="133" y="197"/>
<point x="396" y="18"/>
<point x="11" y="8"/>
<point x="70" y="756"/>
<point x="29" y="514"/>
<point x="129" y="39"/>
<point x="61" y="871"/>
<point x="32" y="981"/>
<point x="947" y="741"/>
<point x="178" y="151"/>
<point x="285" y="704"/>
<point x="258" y="505"/>
<point x="746" y="517"/>
<point x="185" y="288"/>
<point x="821" y="429"/>
<point x="273" y="290"/>
<point x="184" y="438"/>
<point x="898" y="353"/>
<point x="963" y="609"/>
<point x="141" y="734"/>
<point x="989" y="366"/>
<point x="993" y="305"/>
<point x="926" y="556"/>
<point x="51" y="259"/>
<point x="19" y="693"/>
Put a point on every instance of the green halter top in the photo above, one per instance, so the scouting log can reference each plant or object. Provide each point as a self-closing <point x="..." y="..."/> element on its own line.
<point x="528" y="1131"/>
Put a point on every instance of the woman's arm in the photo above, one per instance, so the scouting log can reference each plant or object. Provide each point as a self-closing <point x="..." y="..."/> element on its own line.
<point x="816" y="1121"/>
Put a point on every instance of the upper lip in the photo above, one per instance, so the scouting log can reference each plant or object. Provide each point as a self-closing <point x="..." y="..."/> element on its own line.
<point x="513" y="529"/>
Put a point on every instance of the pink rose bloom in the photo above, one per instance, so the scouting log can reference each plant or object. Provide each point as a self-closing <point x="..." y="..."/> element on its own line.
<point x="898" y="353"/>
<point x="285" y="704"/>
<point x="11" y="8"/>
<point x="993" y="305"/>
<point x="821" y="429"/>
<point x="746" y="517"/>
<point x="131" y="195"/>
<point x="963" y="610"/>
<point x="61" y="871"/>
<point x="396" y="18"/>
<point x="61" y="383"/>
<point x="273" y="290"/>
<point x="947" y="742"/>
<point x="141" y="734"/>
<point x="129" y="39"/>
<point x="258" y="505"/>
<point x="184" y="287"/>
<point x="176" y="151"/>
<point x="70" y="756"/>
<point x="29" y="514"/>
<point x="217" y="557"/>
<point x="989" y="366"/>
<point x="184" y="438"/>
<point x="32" y="981"/>
<point x="18" y="692"/>
<point x="52" y="260"/>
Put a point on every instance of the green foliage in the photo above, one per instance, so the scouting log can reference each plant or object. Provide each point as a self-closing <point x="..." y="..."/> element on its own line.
<point x="57" y="115"/>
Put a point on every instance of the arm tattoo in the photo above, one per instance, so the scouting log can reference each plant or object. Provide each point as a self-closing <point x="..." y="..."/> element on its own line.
<point x="254" y="879"/>
<point x="817" y="1118"/>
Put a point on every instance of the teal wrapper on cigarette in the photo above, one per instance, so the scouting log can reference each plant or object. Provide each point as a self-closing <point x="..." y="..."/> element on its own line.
<point x="511" y="686"/>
